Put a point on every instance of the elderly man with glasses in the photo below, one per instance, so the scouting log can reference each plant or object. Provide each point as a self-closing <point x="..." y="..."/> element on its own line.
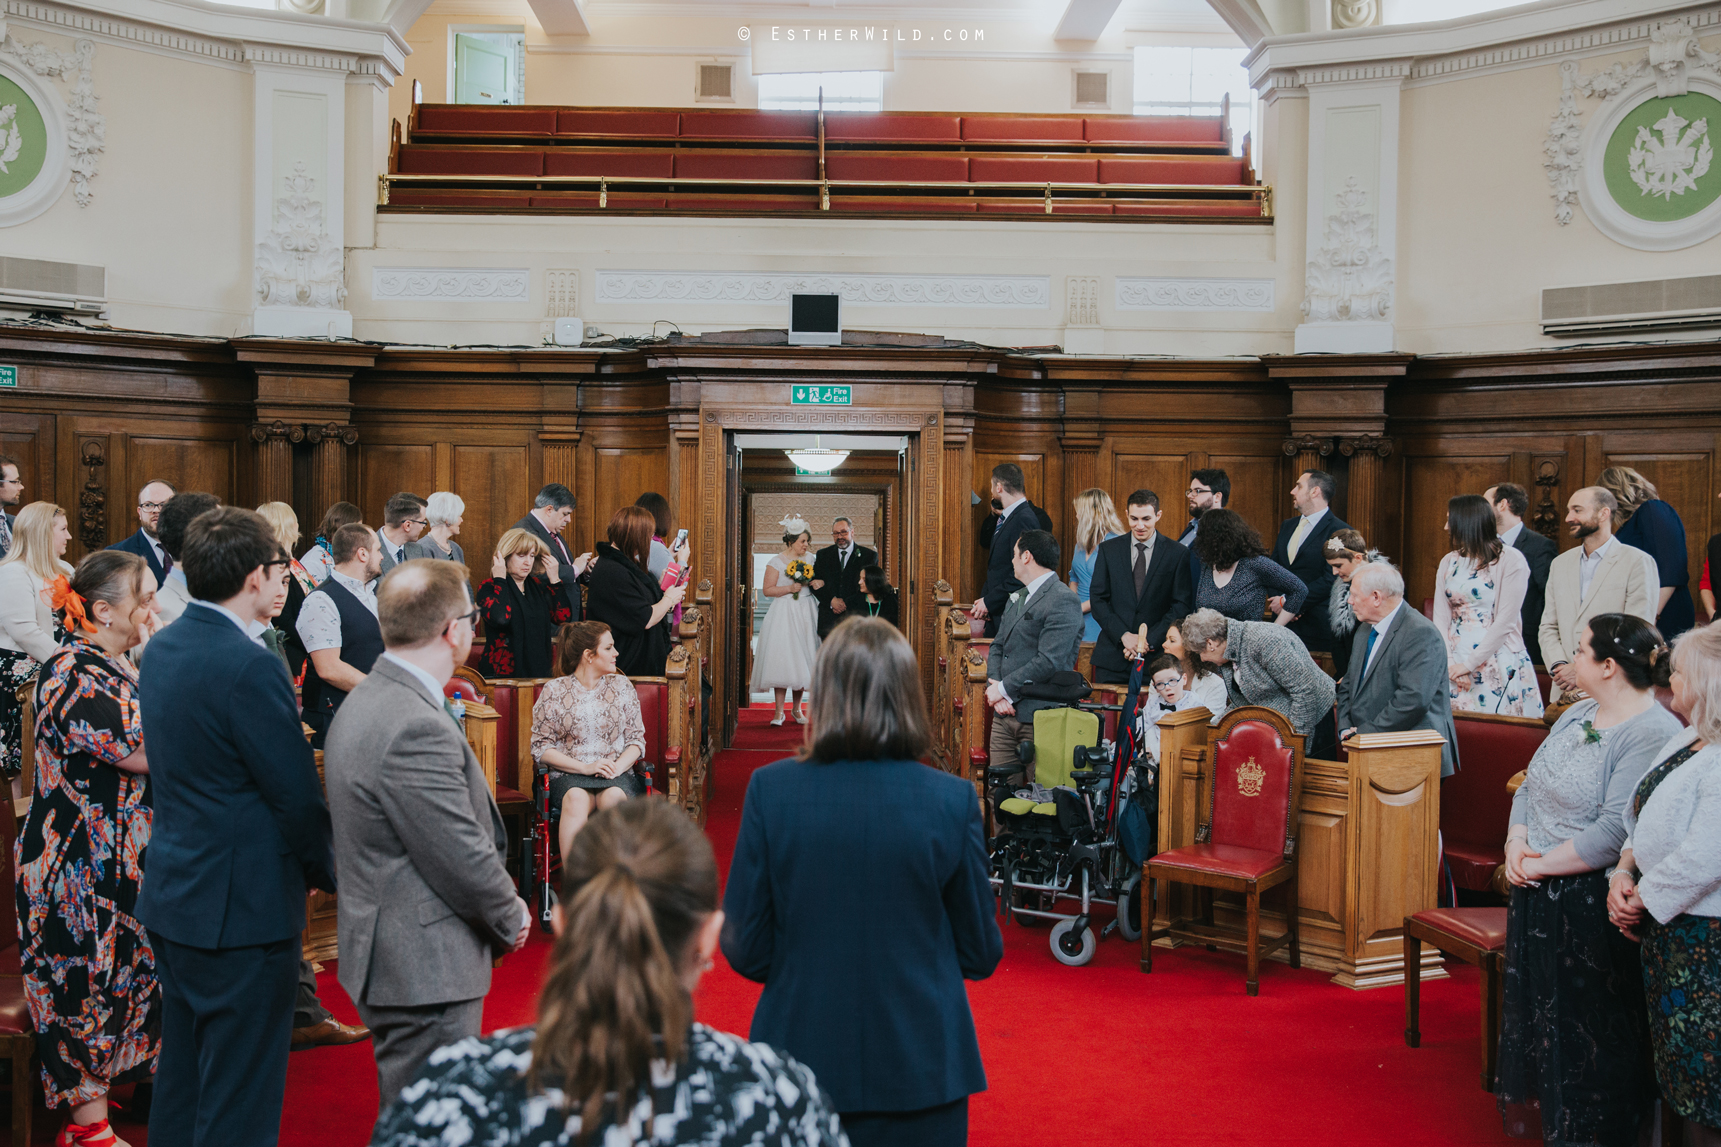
<point x="145" y="543"/>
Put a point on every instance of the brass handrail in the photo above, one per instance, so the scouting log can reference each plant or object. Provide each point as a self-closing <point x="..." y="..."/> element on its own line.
<point x="1250" y="190"/>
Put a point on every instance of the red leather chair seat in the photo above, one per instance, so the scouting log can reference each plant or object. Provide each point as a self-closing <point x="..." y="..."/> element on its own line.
<point x="1218" y="170"/>
<point x="904" y="204"/>
<point x="1473" y="867"/>
<point x="1483" y="927"/>
<point x="749" y="125"/>
<point x="468" y="120"/>
<point x="906" y="166"/>
<point x="621" y="124"/>
<point x="1153" y="129"/>
<point x="746" y="165"/>
<point x="494" y="200"/>
<point x="650" y="164"/>
<point x="417" y="159"/>
<point x="1225" y="209"/>
<point x="1023" y="129"/>
<point x="1222" y="859"/>
<point x="1032" y="169"/>
<point x="14" y="1011"/>
<point x="840" y="126"/>
<point x="588" y="201"/>
<point x="506" y="796"/>
<point x="1475" y="810"/>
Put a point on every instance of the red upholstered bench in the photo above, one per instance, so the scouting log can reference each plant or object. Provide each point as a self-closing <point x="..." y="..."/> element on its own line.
<point x="709" y="204"/>
<point x="797" y="126"/>
<point x="750" y="164"/>
<point x="1022" y="129"/>
<point x="1033" y="169"/>
<point x="843" y="127"/>
<point x="1192" y="208"/>
<point x="468" y="120"/>
<point x="649" y="163"/>
<point x="1176" y="129"/>
<point x="1475" y="809"/>
<point x="1031" y="206"/>
<point x="900" y="205"/>
<point x="433" y="199"/>
<point x="588" y="201"/>
<point x="618" y="123"/>
<point x="1219" y="170"/>
<point x="903" y="166"/>
<point x="422" y="159"/>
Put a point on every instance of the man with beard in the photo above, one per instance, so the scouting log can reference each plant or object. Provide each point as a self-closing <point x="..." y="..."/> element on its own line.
<point x="150" y="501"/>
<point x="1208" y="490"/>
<point x="1603" y="575"/>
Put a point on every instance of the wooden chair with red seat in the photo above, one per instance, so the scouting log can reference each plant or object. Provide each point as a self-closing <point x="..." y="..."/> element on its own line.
<point x="1248" y="841"/>
<point x="468" y="684"/>
<point x="1475" y="935"/>
<point x="17" y="1035"/>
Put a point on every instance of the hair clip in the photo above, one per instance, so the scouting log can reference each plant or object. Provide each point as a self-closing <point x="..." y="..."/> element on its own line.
<point x="794" y="524"/>
<point x="70" y="602"/>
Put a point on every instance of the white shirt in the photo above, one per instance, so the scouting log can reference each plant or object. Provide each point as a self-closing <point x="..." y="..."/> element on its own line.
<point x="426" y="679"/>
<point x="318" y="564"/>
<point x="252" y="629"/>
<point x="1589" y="563"/>
<point x="1380" y="628"/>
<point x="394" y="549"/>
<point x="1009" y="509"/>
<point x="1314" y="519"/>
<point x="1147" y="554"/>
<point x="1028" y="590"/>
<point x="319" y="623"/>
<point x="160" y="554"/>
<point x="1511" y="535"/>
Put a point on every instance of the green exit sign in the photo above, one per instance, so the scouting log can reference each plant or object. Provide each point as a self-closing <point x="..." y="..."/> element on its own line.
<point x="9" y="376"/>
<point x="820" y="396"/>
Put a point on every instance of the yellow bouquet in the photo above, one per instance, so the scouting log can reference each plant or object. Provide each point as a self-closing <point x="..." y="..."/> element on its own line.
<point x="800" y="572"/>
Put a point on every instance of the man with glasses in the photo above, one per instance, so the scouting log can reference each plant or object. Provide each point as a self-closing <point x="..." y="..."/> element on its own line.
<point x="338" y="625"/>
<point x="145" y="543"/>
<point x="11" y="493"/>
<point x="403" y="523"/>
<point x="1208" y="490"/>
<point x="426" y="902"/>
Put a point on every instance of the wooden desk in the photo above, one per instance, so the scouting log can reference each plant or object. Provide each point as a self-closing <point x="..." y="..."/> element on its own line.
<point x="1367" y="847"/>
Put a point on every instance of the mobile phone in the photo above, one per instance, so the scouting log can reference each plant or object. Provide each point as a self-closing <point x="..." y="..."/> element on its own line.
<point x="680" y="540"/>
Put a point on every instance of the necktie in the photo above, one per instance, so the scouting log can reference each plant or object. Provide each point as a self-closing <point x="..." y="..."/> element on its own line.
<point x="1140" y="567"/>
<point x="843" y="557"/>
<point x="166" y="563"/>
<point x="1296" y="542"/>
<point x="1368" y="649"/>
<point x="5" y="535"/>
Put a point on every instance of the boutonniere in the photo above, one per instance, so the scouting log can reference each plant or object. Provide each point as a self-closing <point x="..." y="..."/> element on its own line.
<point x="1592" y="735"/>
<point x="1016" y="597"/>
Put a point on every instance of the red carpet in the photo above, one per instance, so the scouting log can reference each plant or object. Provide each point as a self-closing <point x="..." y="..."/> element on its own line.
<point x="1101" y="1054"/>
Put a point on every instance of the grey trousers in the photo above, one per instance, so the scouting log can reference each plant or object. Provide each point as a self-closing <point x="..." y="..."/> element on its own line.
<point x="403" y="1038"/>
<point x="308" y="1010"/>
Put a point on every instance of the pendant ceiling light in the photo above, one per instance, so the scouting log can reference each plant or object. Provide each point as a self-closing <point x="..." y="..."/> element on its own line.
<point x="817" y="460"/>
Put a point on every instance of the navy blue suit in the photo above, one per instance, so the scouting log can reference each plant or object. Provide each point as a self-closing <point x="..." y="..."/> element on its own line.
<point x="240" y="830"/>
<point x="139" y="544"/>
<point x="870" y="997"/>
<point x="1001" y="580"/>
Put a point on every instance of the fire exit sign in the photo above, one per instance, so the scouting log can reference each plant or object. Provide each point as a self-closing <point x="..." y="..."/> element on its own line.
<point x="9" y="377"/>
<point x="820" y="396"/>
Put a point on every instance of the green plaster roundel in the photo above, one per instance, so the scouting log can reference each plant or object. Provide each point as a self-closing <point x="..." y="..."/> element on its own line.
<point x="23" y="139"/>
<point x="1660" y="161"/>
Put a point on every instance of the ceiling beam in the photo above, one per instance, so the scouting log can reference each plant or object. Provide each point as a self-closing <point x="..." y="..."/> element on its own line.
<point x="1245" y="18"/>
<point x="560" y="17"/>
<point x="1085" y="19"/>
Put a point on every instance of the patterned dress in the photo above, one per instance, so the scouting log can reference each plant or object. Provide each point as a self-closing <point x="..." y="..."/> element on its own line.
<point x="520" y="624"/>
<point x="1483" y="626"/>
<point x="89" y="971"/>
<point x="726" y="1092"/>
<point x="589" y="725"/>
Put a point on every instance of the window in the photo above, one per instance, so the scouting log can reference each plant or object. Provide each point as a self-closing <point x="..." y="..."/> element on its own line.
<point x="844" y="91"/>
<point x="1193" y="81"/>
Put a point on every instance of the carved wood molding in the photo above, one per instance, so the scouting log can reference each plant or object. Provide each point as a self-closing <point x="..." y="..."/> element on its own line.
<point x="1307" y="444"/>
<point x="261" y="432"/>
<point x="1546" y="520"/>
<point x="93" y="498"/>
<point x="1376" y="444"/>
<point x="823" y="417"/>
<point x="333" y="432"/>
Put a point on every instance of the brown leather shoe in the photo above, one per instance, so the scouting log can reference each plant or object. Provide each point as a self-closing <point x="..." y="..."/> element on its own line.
<point x="331" y="1031"/>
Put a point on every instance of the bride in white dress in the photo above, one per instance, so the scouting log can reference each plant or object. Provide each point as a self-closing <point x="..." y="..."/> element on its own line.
<point x="789" y="636"/>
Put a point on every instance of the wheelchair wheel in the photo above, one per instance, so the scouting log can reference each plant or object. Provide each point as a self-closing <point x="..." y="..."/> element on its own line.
<point x="1070" y="949"/>
<point x="1129" y="910"/>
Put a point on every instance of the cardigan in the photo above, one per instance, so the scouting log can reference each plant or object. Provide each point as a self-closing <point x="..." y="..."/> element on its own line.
<point x="26" y="620"/>
<point x="1676" y="840"/>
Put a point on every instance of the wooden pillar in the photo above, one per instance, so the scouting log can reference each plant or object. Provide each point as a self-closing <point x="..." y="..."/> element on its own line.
<point x="684" y="493"/>
<point x="304" y="394"/>
<point x="561" y="460"/>
<point x="1365" y="496"/>
<point x="329" y="465"/>
<point x="1308" y="452"/>
<point x="275" y="441"/>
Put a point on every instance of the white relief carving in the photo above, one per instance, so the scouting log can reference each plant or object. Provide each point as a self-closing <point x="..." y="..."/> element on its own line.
<point x="1082" y="295"/>
<point x="1157" y="294"/>
<point x="1672" y="58"/>
<point x="298" y="263"/>
<point x="86" y="128"/>
<point x="742" y="287"/>
<point x="562" y="291"/>
<point x="494" y="285"/>
<point x="1672" y="164"/>
<point x="1349" y="280"/>
<point x="1356" y="13"/>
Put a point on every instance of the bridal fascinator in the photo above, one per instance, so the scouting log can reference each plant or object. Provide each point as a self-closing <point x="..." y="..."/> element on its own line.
<point x="795" y="524"/>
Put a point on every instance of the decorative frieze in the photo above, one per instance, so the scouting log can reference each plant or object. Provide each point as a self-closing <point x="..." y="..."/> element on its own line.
<point x="858" y="290"/>
<point x="487" y="284"/>
<point x="1164" y="294"/>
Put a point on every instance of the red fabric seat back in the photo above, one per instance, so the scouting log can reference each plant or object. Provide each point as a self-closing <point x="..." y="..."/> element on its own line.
<point x="9" y="910"/>
<point x="905" y="166"/>
<point x="1154" y="129"/>
<point x="842" y="126"/>
<point x="466" y="119"/>
<point x="1032" y="169"/>
<point x="749" y="125"/>
<point x="416" y="159"/>
<point x="618" y="123"/>
<point x="1475" y="809"/>
<point x="1217" y="170"/>
<point x="1252" y="775"/>
<point x="508" y="748"/>
<point x="650" y="164"/>
<point x="1022" y="129"/>
<point x="461" y="688"/>
<point x="654" y="711"/>
<point x="746" y="165"/>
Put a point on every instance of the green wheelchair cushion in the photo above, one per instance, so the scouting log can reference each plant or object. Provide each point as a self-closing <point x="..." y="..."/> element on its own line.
<point x="1057" y="732"/>
<point x="1047" y="809"/>
<point x="1016" y="806"/>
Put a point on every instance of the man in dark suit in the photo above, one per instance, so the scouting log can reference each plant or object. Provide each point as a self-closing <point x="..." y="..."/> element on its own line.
<point x="1208" y="490"/>
<point x="839" y="566"/>
<point x="1018" y="517"/>
<point x="1397" y="677"/>
<point x="426" y="900"/>
<point x="11" y="493"/>
<point x="240" y="832"/>
<point x="1139" y="579"/>
<point x="991" y="523"/>
<point x="1511" y="502"/>
<point x="1039" y="634"/>
<point x="144" y="543"/>
<point x="550" y="514"/>
<point x="1300" y="550"/>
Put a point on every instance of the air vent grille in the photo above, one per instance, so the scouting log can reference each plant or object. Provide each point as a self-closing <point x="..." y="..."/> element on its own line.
<point x="1092" y="89"/>
<point x="716" y="81"/>
<point x="42" y="285"/>
<point x="1650" y="304"/>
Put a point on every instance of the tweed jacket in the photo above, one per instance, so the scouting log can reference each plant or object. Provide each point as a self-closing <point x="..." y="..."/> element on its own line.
<point x="1627" y="582"/>
<point x="1036" y="640"/>
<point x="1404" y="687"/>
<point x="425" y="899"/>
<point x="1270" y="666"/>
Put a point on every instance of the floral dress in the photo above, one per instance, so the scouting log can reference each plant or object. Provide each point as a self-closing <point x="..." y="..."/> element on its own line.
<point x="89" y="971"/>
<point x="520" y="625"/>
<point x="1479" y="611"/>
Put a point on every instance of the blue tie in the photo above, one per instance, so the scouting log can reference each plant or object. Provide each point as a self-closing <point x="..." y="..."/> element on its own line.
<point x="1369" y="648"/>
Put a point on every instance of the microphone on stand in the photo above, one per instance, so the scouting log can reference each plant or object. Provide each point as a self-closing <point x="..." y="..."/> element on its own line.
<point x="1511" y="673"/>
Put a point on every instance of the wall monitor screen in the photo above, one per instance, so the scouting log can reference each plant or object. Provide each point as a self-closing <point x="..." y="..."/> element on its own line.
<point x="815" y="320"/>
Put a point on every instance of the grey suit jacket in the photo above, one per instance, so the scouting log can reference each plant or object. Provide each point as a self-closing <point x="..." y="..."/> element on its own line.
<point x="1405" y="687"/>
<point x="1271" y="666"/>
<point x="1035" y="641"/>
<point x="388" y="562"/>
<point x="425" y="900"/>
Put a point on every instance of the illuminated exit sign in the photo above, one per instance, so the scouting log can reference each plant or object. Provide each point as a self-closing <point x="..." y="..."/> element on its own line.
<point x="820" y="396"/>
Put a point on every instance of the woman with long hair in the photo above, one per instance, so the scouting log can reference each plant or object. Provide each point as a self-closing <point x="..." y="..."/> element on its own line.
<point x="616" y="1056"/>
<point x="1645" y="521"/>
<point x="789" y="636"/>
<point x="1667" y="891"/>
<point x="319" y="561"/>
<point x="1478" y="607"/>
<point x="298" y="582"/>
<point x="88" y="967"/>
<point x="881" y="598"/>
<point x="879" y="1012"/>
<point x="1345" y="552"/>
<point x="1573" y="1033"/>
<point x="621" y="592"/>
<point x="1237" y="576"/>
<point x="1096" y="521"/>
<point x="522" y="602"/>
<point x="28" y="634"/>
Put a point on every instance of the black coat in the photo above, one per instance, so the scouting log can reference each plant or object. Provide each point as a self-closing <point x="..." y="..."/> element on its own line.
<point x="1166" y="597"/>
<point x="1312" y="568"/>
<point x="139" y="545"/>
<point x="889" y="606"/>
<point x="1540" y="553"/>
<point x="841" y="581"/>
<point x="1001" y="579"/>
<point x="621" y="593"/>
<point x="558" y="550"/>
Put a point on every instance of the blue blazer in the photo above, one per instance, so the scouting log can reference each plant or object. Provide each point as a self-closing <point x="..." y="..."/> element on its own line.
<point x="241" y="826"/>
<point x="139" y="545"/>
<point x="858" y="896"/>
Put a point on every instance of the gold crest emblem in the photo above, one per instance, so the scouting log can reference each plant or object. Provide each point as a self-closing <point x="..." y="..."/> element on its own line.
<point x="1249" y="778"/>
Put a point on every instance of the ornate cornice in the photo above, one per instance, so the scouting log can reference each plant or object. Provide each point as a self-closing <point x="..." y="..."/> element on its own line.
<point x="1307" y="444"/>
<point x="1379" y="446"/>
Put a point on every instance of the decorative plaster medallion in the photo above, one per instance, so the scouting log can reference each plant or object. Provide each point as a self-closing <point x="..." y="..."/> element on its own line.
<point x="44" y="139"/>
<point x="1141" y="294"/>
<point x="487" y="285"/>
<point x="1356" y="13"/>
<point x="1349" y="280"/>
<point x="298" y="263"/>
<point x="1017" y="291"/>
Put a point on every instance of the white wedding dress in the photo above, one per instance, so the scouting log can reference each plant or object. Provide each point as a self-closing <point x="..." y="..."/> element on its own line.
<point x="788" y="637"/>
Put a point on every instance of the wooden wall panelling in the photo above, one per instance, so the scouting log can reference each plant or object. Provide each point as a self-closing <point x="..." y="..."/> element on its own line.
<point x="1260" y="486"/>
<point x="385" y="469"/>
<point x="620" y="474"/>
<point x="188" y="460"/>
<point x="29" y="438"/>
<point x="1035" y="485"/>
<point x="495" y="483"/>
<point x="957" y="547"/>
<point x="1683" y="468"/>
<point x="1431" y="479"/>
